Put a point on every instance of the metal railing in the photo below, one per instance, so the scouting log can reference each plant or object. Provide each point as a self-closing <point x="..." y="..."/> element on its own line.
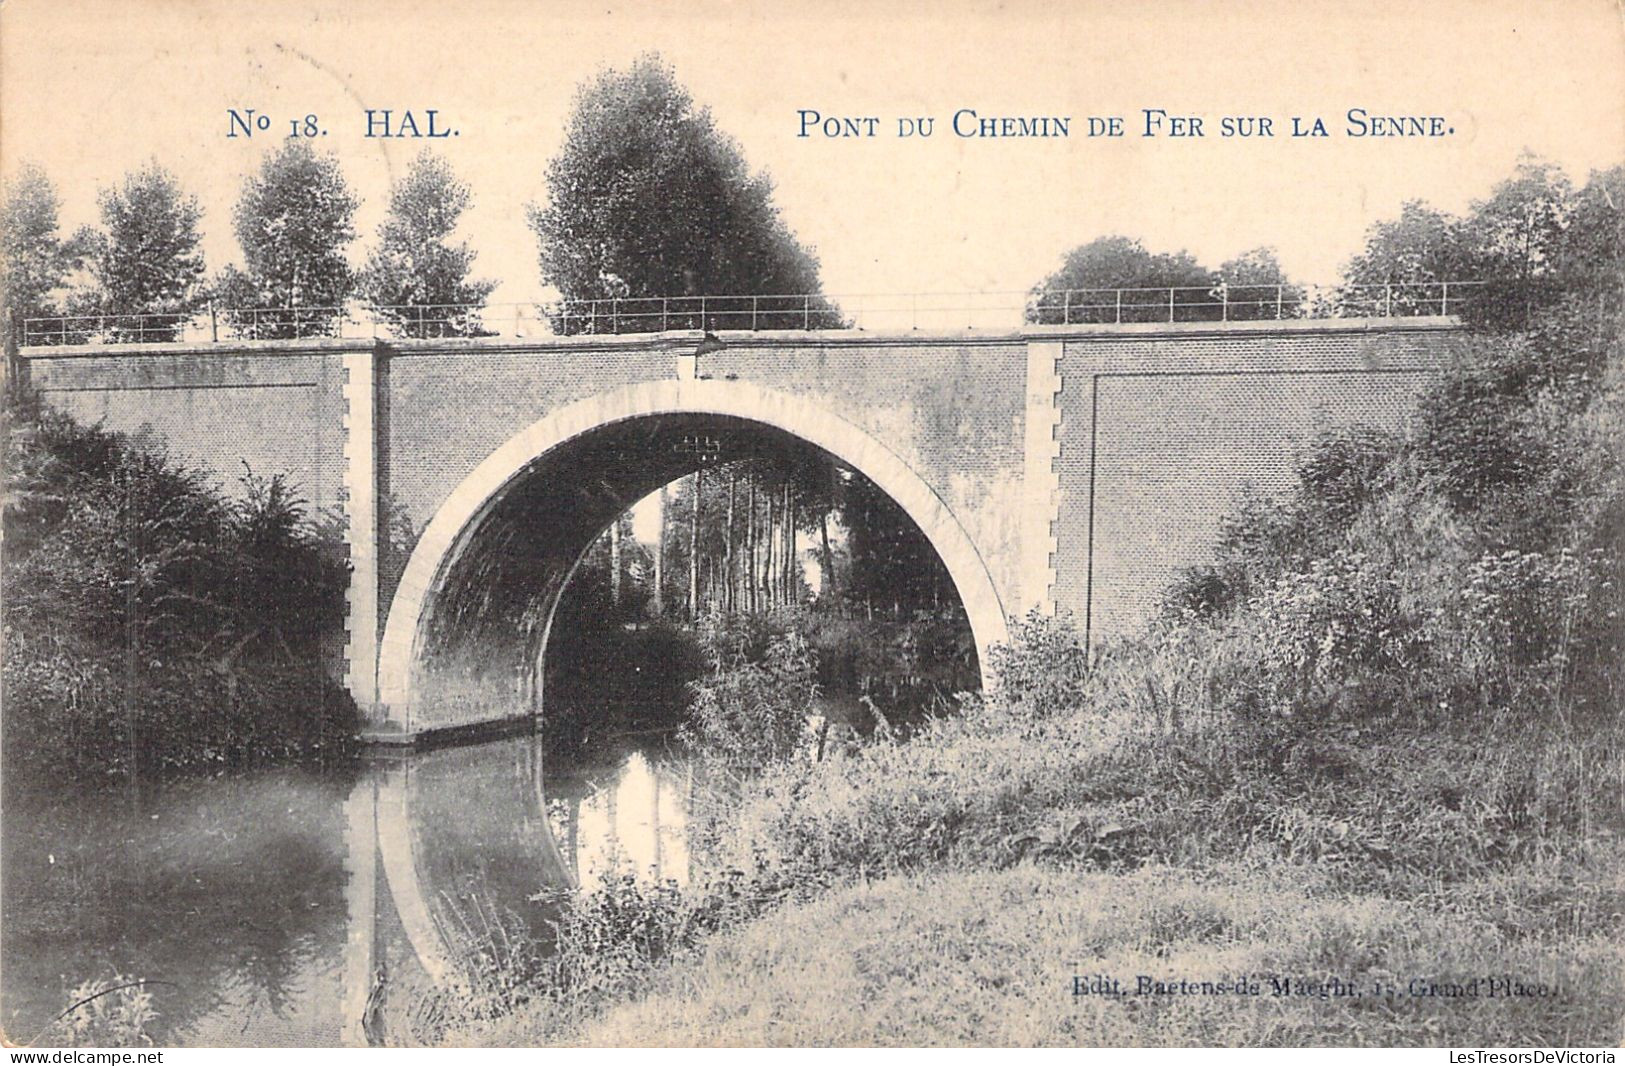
<point x="1250" y="303"/>
<point x="798" y="311"/>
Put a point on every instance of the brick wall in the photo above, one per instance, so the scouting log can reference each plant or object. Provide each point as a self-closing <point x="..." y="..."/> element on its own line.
<point x="1161" y="430"/>
<point x="215" y="410"/>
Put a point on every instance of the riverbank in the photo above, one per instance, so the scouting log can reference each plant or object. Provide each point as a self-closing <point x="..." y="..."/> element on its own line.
<point x="949" y="889"/>
<point x="154" y="624"/>
<point x="1233" y="956"/>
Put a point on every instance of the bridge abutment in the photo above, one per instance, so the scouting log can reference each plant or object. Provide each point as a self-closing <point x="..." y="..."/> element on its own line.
<point x="360" y="483"/>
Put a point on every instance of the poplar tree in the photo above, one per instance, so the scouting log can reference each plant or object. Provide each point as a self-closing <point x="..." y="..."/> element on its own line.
<point x="293" y="221"/>
<point x="417" y="278"/>
<point x="34" y="260"/>
<point x="648" y="198"/>
<point x="147" y="263"/>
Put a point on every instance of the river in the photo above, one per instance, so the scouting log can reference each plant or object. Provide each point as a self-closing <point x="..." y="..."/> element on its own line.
<point x="270" y="908"/>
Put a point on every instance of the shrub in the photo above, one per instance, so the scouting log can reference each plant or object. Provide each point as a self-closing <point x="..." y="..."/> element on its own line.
<point x="748" y="713"/>
<point x="1343" y="470"/>
<point x="1332" y="623"/>
<point x="1044" y="670"/>
<point x="112" y="1012"/>
<point x="1199" y="593"/>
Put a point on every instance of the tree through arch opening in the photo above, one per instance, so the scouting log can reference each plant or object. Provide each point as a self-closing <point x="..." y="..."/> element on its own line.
<point x="777" y="561"/>
<point x="469" y="633"/>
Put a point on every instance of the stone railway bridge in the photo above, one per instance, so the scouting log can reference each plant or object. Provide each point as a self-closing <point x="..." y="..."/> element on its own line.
<point x="1073" y="468"/>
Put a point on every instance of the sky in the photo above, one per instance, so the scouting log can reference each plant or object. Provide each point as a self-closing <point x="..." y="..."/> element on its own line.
<point x="91" y="90"/>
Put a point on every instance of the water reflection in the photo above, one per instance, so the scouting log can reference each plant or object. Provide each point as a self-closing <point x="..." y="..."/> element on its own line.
<point x="630" y="819"/>
<point x="290" y="907"/>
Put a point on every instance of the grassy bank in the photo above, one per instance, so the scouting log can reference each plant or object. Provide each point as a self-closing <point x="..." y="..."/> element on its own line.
<point x="989" y="958"/>
<point x="946" y="890"/>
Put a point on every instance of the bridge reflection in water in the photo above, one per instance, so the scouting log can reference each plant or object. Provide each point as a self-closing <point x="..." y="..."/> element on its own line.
<point x="286" y="906"/>
<point x="447" y="848"/>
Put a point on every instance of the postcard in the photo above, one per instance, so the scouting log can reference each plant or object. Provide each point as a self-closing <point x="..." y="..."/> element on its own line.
<point x="970" y="524"/>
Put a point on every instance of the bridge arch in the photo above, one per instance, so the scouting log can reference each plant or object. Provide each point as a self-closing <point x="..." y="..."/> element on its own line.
<point x="458" y="521"/>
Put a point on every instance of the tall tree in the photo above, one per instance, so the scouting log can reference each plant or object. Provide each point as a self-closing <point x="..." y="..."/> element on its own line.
<point x="1517" y="232"/>
<point x="1518" y="244"/>
<point x="1407" y="261"/>
<point x="34" y="260"/>
<point x="147" y="262"/>
<point x="417" y="278"/>
<point x="893" y="565"/>
<point x="648" y="199"/>
<point x="1255" y="286"/>
<point x="1121" y="263"/>
<point x="293" y="221"/>
<point x="1422" y="244"/>
<point x="1594" y="241"/>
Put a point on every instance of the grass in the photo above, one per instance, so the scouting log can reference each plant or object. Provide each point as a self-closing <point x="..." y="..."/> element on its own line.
<point x="989" y="957"/>
<point x="945" y="890"/>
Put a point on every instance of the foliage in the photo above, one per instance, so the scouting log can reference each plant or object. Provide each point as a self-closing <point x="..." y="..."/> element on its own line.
<point x="647" y="198"/>
<point x="1342" y="472"/>
<point x="1255" y="286"/>
<point x="1593" y="241"/>
<point x="607" y="940"/>
<point x="1423" y="245"/>
<point x="1518" y="231"/>
<point x="34" y="260"/>
<point x="901" y="670"/>
<point x="147" y="262"/>
<point x="751" y="711"/>
<point x="152" y="624"/>
<point x="1330" y="624"/>
<point x="1117" y="263"/>
<point x="1342" y="469"/>
<point x="416" y="278"/>
<point x="1044" y="670"/>
<point x="1534" y="240"/>
<point x="1250" y="286"/>
<point x="872" y="674"/>
<point x="292" y="221"/>
<point x="892" y="564"/>
<point x="604" y="945"/>
<point x="112" y="1012"/>
<point x="743" y="527"/>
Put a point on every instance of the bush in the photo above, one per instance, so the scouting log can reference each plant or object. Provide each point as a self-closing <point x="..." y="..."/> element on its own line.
<point x="603" y="947"/>
<point x="1044" y="670"/>
<point x="751" y="712"/>
<point x="1334" y="622"/>
<point x="112" y="1012"/>
<point x="1344" y="469"/>
<point x="152" y="624"/>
